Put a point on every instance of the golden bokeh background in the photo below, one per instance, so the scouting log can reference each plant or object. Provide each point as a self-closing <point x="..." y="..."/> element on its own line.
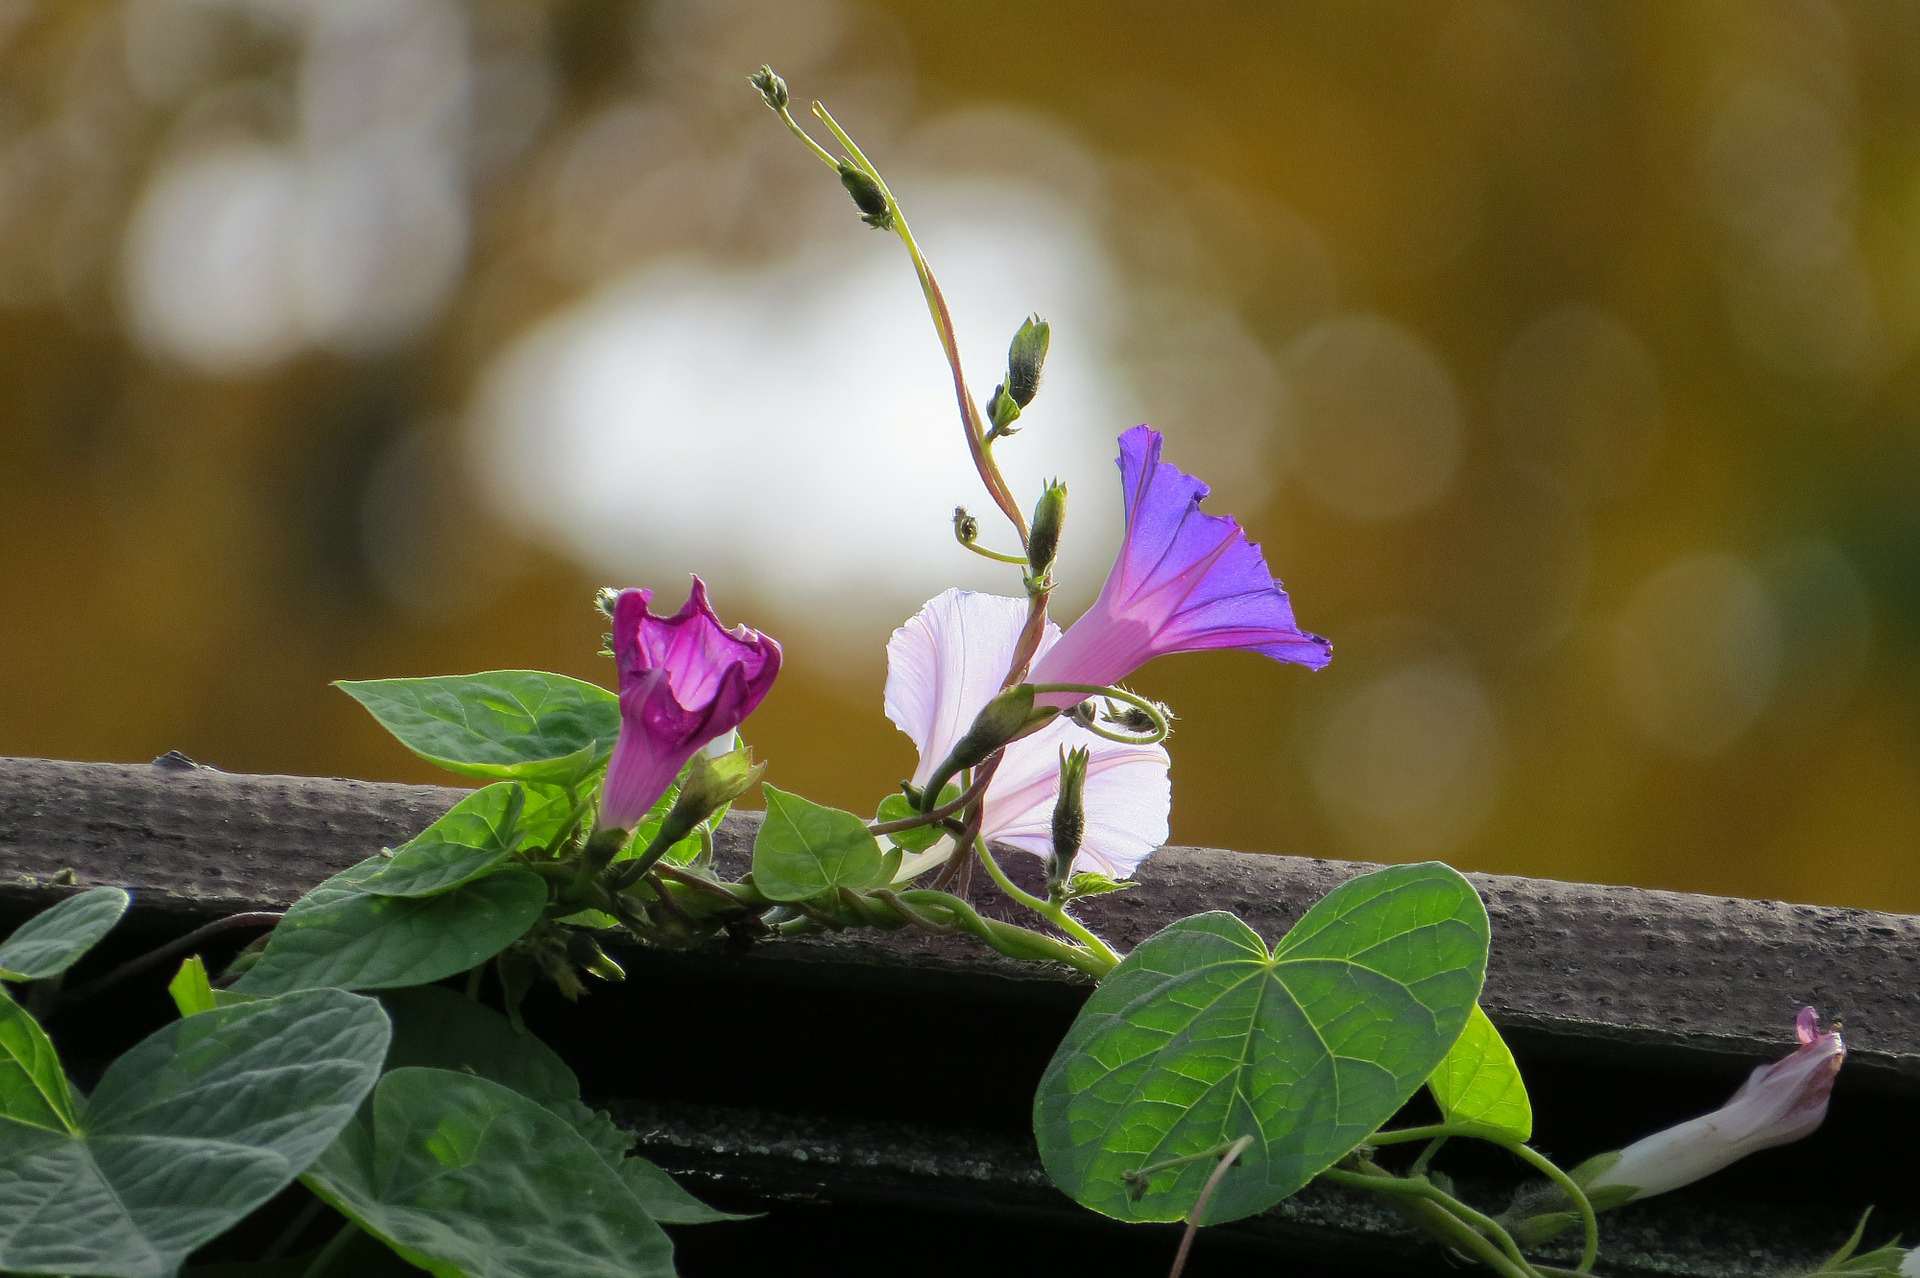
<point x="1562" y="356"/>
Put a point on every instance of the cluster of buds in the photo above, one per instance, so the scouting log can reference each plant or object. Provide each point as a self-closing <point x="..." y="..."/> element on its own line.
<point x="1026" y="357"/>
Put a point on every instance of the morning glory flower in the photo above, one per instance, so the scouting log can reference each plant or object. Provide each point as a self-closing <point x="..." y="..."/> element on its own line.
<point x="685" y="681"/>
<point x="1184" y="581"/>
<point x="946" y="663"/>
<point x="1778" y="1103"/>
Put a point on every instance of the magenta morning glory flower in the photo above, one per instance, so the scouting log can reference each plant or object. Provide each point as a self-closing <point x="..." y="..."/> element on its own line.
<point x="684" y="680"/>
<point x="1778" y="1103"/>
<point x="946" y="663"/>
<point x="1184" y="581"/>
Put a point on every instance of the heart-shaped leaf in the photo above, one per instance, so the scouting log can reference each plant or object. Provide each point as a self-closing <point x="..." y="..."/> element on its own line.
<point x="502" y="725"/>
<point x="1201" y="1036"/>
<point x="804" y="849"/>
<point x="188" y="1132"/>
<point x="55" y="939"/>
<point x="463" y="1176"/>
<point x="1478" y="1085"/>
<point x="340" y="934"/>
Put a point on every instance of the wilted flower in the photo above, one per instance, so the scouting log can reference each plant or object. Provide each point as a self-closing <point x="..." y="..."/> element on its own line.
<point x="1778" y="1103"/>
<point x="684" y="680"/>
<point x="945" y="664"/>
<point x="1184" y="581"/>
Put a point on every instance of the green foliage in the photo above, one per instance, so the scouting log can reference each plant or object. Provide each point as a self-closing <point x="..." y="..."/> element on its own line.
<point x="55" y="939"/>
<point x="1479" y="1086"/>
<point x="470" y="1179"/>
<point x="33" y="1087"/>
<point x="503" y="725"/>
<point x="1201" y="1036"/>
<point x="189" y="1131"/>
<point x="896" y="807"/>
<point x="805" y="849"/>
<point x="1093" y="883"/>
<point x="473" y="839"/>
<point x="342" y="934"/>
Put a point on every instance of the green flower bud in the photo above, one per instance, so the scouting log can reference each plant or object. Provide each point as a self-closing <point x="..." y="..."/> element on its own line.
<point x="772" y="88"/>
<point x="1069" y="817"/>
<point x="709" y="785"/>
<point x="1025" y="358"/>
<point x="1002" y="719"/>
<point x="867" y="197"/>
<point x="585" y="952"/>
<point x="604" y="599"/>
<point x="1002" y="412"/>
<point x="965" y="527"/>
<point x="1043" y="542"/>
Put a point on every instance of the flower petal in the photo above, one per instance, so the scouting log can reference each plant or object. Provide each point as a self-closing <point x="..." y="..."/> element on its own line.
<point x="1127" y="800"/>
<point x="946" y="663"/>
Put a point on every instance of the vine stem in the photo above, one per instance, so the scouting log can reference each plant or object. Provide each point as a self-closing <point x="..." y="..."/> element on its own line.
<point x="1161" y="728"/>
<point x="970" y="418"/>
<point x="331" y="1252"/>
<point x="1470" y="1230"/>
<point x="941" y="813"/>
<point x="1590" y="1250"/>
<point x="135" y="966"/>
<point x="1234" y="1151"/>
<point x="1054" y="914"/>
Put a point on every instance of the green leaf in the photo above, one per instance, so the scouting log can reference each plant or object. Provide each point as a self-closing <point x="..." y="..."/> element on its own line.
<point x="55" y="939"/>
<point x="1478" y="1085"/>
<point x="503" y="725"/>
<point x="188" y="1132"/>
<point x="665" y="1201"/>
<point x="465" y="1177"/>
<point x="341" y="934"/>
<point x="475" y="836"/>
<point x="804" y="849"/>
<point x="1093" y="883"/>
<point x="33" y="1087"/>
<point x="896" y="807"/>
<point x="1201" y="1036"/>
<point x="191" y="989"/>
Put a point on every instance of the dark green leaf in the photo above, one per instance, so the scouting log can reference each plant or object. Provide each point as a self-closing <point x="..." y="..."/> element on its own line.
<point x="475" y="836"/>
<point x="665" y="1201"/>
<point x="804" y="849"/>
<point x="188" y="1132"/>
<point x="342" y="935"/>
<point x="503" y="725"/>
<point x="1202" y="1036"/>
<point x="896" y="807"/>
<point x="55" y="939"/>
<point x="33" y="1087"/>
<point x="1478" y="1085"/>
<point x="465" y="1177"/>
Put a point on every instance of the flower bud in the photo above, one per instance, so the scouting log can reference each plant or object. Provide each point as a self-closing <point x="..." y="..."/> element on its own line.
<point x="1043" y="542"/>
<point x="1069" y="817"/>
<point x="585" y="952"/>
<point x="709" y="784"/>
<point x="604" y="599"/>
<point x="965" y="527"/>
<point x="1002" y="412"/>
<point x="772" y="88"/>
<point x="1025" y="358"/>
<point x="867" y="197"/>
<point x="1001" y="720"/>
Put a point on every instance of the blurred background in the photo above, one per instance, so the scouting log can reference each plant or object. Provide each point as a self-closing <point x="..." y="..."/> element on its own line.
<point x="1562" y="356"/>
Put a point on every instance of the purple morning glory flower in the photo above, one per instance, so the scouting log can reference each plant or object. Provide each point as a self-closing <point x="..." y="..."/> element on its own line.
<point x="1184" y="581"/>
<point x="684" y="680"/>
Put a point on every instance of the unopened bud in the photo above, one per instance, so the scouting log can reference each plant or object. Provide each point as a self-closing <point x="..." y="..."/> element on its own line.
<point x="999" y="721"/>
<point x="772" y="88"/>
<point x="604" y="599"/>
<point x="1002" y="411"/>
<point x="965" y="527"/>
<point x="1132" y="718"/>
<point x="587" y="954"/>
<point x="1043" y="542"/>
<point x="1026" y="356"/>
<point x="1069" y="817"/>
<point x="709" y="784"/>
<point x="867" y="197"/>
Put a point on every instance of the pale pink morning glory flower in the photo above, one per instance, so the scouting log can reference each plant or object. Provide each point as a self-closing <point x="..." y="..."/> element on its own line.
<point x="946" y="663"/>
<point x="1184" y="581"/>
<point x="685" y="680"/>
<point x="1777" y="1104"/>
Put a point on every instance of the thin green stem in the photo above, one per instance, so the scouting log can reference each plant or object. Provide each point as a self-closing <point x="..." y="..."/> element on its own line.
<point x="1411" y="1135"/>
<point x="825" y="156"/>
<point x="1200" y="1204"/>
<point x="1006" y="938"/>
<point x="936" y="815"/>
<point x="970" y="417"/>
<point x="1152" y="710"/>
<point x="994" y="555"/>
<point x="1052" y="913"/>
<point x="1491" y="1243"/>
<point x="1434" y="1146"/>
<point x="1590" y="1250"/>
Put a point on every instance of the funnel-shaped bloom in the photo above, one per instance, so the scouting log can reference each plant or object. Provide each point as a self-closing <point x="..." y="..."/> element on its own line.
<point x="946" y="663"/>
<point x="1184" y="581"/>
<point x="684" y="680"/>
<point x="1777" y="1104"/>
